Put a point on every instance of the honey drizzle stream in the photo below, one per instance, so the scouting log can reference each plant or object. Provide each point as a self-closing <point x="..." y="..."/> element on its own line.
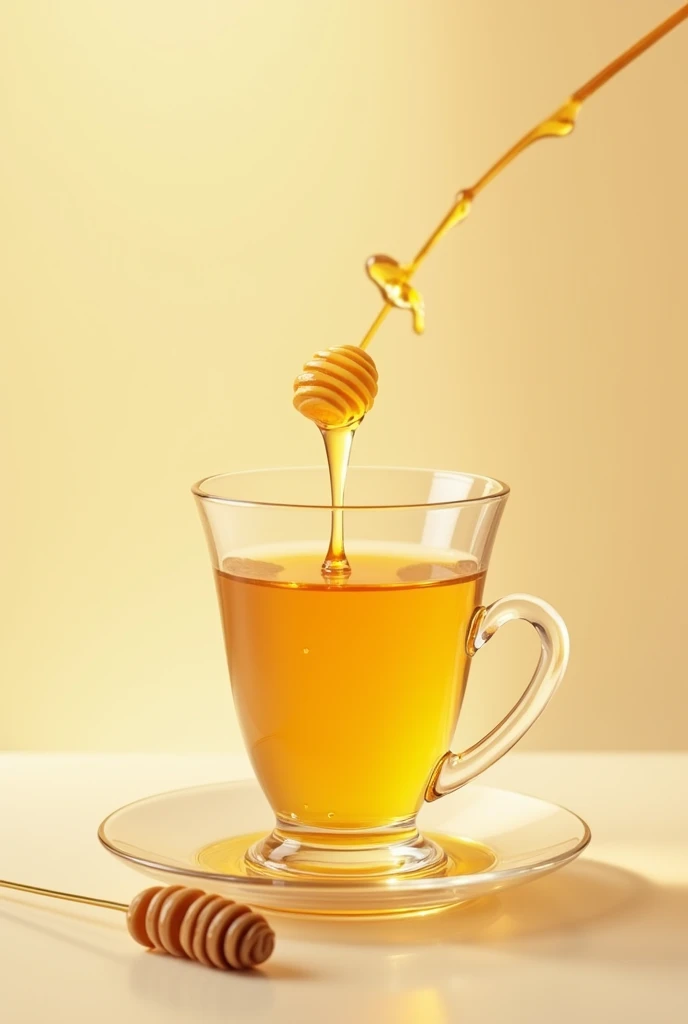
<point x="339" y="440"/>
<point x="558" y="125"/>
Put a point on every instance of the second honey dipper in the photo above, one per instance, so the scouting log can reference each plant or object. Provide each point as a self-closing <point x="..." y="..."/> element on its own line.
<point x="185" y="922"/>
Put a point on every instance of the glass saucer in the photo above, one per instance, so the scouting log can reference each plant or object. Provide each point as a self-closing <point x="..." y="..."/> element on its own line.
<point x="494" y="839"/>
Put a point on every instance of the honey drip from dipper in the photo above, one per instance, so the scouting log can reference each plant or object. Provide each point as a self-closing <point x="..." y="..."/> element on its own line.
<point x="332" y="389"/>
<point x="335" y="389"/>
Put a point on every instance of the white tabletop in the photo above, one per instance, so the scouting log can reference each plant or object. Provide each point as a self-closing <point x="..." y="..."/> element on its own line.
<point x="606" y="939"/>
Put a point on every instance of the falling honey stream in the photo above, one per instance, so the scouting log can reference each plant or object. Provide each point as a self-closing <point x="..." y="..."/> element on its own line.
<point x="338" y="442"/>
<point x="314" y="388"/>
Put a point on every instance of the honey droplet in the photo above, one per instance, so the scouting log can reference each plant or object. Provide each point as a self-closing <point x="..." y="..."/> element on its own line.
<point x="394" y="282"/>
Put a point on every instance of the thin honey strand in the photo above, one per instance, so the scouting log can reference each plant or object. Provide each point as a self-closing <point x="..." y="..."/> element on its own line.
<point x="559" y="125"/>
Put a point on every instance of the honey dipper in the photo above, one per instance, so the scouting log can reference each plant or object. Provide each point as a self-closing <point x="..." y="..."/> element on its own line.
<point x="337" y="387"/>
<point x="185" y="922"/>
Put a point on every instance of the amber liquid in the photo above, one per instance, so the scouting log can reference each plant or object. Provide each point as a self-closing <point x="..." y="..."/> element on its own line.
<point x="348" y="693"/>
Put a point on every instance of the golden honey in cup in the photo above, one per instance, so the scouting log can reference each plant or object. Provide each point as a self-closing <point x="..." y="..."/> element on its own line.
<point x="348" y="693"/>
<point x="348" y="685"/>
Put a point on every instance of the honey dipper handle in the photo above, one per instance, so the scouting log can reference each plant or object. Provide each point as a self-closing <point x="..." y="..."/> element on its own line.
<point x="455" y="770"/>
<point x="56" y="894"/>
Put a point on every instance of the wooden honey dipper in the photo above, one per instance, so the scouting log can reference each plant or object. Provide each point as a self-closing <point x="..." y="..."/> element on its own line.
<point x="185" y="922"/>
<point x="337" y="387"/>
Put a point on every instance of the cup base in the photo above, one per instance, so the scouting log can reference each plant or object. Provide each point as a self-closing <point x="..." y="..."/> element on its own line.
<point x="493" y="839"/>
<point x="328" y="855"/>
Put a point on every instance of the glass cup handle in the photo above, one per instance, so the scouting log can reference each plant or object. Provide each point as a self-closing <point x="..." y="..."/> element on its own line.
<point x="454" y="770"/>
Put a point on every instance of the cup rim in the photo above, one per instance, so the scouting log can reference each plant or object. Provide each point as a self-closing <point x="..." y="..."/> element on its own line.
<point x="201" y="491"/>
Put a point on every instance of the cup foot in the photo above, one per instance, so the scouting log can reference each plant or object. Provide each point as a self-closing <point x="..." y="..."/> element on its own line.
<point x="312" y="856"/>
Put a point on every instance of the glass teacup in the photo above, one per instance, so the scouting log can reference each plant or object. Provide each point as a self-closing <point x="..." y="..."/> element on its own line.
<point x="348" y="691"/>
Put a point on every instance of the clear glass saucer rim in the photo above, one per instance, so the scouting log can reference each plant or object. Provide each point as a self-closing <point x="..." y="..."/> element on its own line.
<point x="439" y="884"/>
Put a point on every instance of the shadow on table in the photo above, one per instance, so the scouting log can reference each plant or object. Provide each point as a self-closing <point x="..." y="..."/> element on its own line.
<point x="584" y="894"/>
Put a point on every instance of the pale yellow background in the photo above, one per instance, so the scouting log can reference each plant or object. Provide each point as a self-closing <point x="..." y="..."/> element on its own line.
<point x="189" y="191"/>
